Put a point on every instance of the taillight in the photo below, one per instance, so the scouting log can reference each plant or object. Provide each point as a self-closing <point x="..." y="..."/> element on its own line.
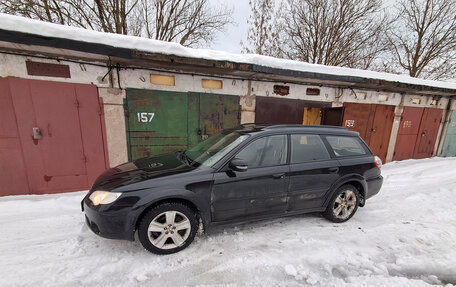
<point x="378" y="162"/>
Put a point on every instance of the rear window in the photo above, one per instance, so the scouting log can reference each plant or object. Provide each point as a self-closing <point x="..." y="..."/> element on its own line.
<point x="346" y="146"/>
<point x="306" y="148"/>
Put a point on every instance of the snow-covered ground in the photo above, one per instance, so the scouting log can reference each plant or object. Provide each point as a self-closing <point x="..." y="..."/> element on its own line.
<point x="404" y="236"/>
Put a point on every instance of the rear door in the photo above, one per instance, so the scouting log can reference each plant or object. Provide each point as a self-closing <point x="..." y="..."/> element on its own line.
<point x="259" y="191"/>
<point x="312" y="172"/>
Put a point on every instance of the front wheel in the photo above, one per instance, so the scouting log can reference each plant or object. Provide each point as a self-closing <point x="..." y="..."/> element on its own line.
<point x="343" y="204"/>
<point x="167" y="228"/>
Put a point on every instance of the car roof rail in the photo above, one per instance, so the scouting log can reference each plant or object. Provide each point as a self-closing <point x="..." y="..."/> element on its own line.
<point x="305" y="126"/>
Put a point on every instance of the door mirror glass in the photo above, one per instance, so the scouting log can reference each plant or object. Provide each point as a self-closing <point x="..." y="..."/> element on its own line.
<point x="238" y="164"/>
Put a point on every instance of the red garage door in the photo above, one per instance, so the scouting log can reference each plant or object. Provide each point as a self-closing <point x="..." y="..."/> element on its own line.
<point x="417" y="133"/>
<point x="53" y="138"/>
<point x="373" y="122"/>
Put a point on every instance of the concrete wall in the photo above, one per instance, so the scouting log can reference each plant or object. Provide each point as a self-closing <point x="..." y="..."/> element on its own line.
<point x="113" y="94"/>
<point x="114" y="115"/>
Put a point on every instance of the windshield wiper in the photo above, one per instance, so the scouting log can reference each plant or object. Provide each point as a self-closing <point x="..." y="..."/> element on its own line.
<point x="185" y="158"/>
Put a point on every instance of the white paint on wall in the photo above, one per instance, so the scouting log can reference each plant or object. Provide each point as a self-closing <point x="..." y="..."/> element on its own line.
<point x="425" y="101"/>
<point x="368" y="97"/>
<point x="14" y="66"/>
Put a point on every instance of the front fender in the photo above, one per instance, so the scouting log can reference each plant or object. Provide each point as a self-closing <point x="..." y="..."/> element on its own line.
<point x="171" y="194"/>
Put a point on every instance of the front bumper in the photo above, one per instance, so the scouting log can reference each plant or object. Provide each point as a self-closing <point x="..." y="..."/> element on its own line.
<point x="116" y="224"/>
<point x="373" y="186"/>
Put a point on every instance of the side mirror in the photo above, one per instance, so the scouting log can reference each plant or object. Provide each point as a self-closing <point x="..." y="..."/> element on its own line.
<point x="238" y="164"/>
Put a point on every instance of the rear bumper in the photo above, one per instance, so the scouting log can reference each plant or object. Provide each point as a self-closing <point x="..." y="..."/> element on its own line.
<point x="112" y="225"/>
<point x="373" y="186"/>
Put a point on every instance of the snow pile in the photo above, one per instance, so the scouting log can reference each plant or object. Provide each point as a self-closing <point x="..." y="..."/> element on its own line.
<point x="404" y="236"/>
<point x="25" y="25"/>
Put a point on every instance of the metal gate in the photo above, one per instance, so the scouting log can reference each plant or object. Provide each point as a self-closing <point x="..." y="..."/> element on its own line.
<point x="373" y="122"/>
<point x="417" y="133"/>
<point x="427" y="135"/>
<point x="164" y="121"/>
<point x="449" y="145"/>
<point x="51" y="136"/>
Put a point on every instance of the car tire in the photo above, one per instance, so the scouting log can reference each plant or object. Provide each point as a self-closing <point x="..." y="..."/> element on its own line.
<point x="168" y="228"/>
<point x="343" y="204"/>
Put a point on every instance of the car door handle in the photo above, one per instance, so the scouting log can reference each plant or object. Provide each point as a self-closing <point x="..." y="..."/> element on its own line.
<point x="333" y="169"/>
<point x="278" y="175"/>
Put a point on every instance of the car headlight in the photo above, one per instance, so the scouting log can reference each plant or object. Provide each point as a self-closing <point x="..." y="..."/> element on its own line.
<point x="103" y="197"/>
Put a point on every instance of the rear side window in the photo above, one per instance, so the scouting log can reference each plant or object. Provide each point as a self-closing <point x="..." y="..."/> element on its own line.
<point x="266" y="151"/>
<point x="346" y="146"/>
<point x="305" y="148"/>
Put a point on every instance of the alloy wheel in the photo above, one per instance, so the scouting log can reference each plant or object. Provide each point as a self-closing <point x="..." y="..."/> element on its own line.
<point x="345" y="204"/>
<point x="169" y="230"/>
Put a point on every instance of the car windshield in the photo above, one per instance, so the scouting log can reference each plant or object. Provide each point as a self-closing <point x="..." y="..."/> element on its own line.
<point x="215" y="147"/>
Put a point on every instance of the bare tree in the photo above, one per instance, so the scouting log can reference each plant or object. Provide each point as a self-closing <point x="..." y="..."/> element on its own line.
<point x="334" y="32"/>
<point x="263" y="33"/>
<point x="103" y="15"/>
<point x="188" y="22"/>
<point x="423" y="40"/>
<point x="45" y="10"/>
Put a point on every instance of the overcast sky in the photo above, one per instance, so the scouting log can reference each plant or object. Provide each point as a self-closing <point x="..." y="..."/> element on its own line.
<point x="230" y="40"/>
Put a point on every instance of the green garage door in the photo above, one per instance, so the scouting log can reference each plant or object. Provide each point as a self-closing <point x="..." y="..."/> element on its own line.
<point x="449" y="145"/>
<point x="163" y="121"/>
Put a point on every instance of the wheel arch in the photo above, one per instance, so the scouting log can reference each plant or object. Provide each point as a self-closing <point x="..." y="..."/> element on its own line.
<point x="355" y="180"/>
<point x="176" y="199"/>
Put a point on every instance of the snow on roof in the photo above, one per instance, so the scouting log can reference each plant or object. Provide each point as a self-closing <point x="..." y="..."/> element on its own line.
<point x="26" y="25"/>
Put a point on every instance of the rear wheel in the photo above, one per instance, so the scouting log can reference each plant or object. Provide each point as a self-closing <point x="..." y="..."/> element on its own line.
<point x="343" y="204"/>
<point x="168" y="228"/>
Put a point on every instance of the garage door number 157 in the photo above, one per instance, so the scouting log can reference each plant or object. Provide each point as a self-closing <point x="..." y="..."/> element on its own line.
<point x="145" y="117"/>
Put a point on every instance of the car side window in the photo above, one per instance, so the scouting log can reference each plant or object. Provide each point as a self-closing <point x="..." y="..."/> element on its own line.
<point x="346" y="146"/>
<point x="265" y="151"/>
<point x="305" y="148"/>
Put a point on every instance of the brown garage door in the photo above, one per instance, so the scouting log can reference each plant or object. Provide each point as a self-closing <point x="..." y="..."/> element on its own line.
<point x="58" y="133"/>
<point x="417" y="133"/>
<point x="373" y="122"/>
<point x="278" y="111"/>
<point x="406" y="135"/>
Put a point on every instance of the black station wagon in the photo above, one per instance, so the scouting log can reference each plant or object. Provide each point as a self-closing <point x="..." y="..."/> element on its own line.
<point x="253" y="172"/>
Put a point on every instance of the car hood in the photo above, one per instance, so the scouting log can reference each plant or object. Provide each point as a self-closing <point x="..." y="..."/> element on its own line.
<point x="140" y="170"/>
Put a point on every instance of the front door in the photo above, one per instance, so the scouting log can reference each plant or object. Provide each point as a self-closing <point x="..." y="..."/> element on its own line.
<point x="259" y="191"/>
